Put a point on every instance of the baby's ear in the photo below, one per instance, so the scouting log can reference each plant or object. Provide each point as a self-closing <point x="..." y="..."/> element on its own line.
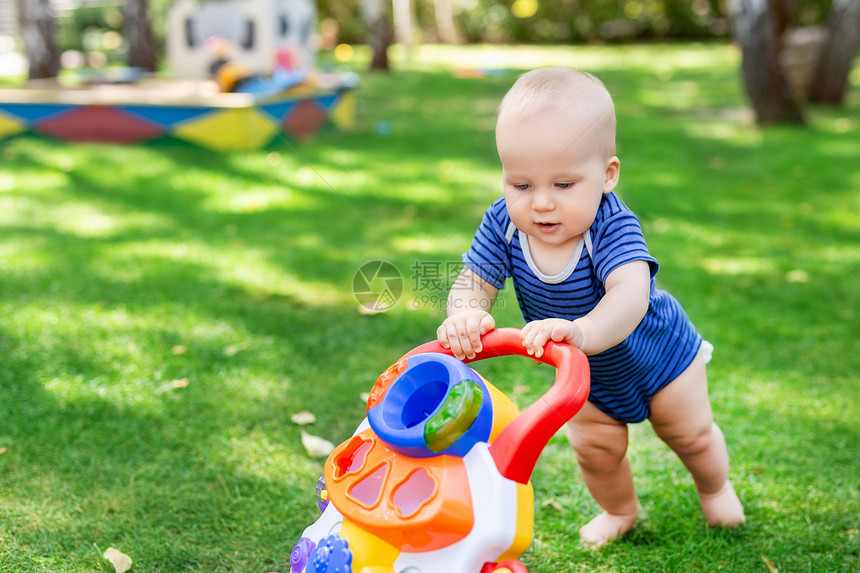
<point x="613" y="171"/>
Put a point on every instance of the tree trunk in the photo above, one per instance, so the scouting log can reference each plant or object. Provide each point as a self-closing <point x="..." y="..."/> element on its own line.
<point x="379" y="39"/>
<point x="781" y="12"/>
<point x="830" y="81"/>
<point x="36" y="22"/>
<point x="403" y="30"/>
<point x="142" y="49"/>
<point x="379" y="33"/>
<point x="445" y="23"/>
<point x="755" y="31"/>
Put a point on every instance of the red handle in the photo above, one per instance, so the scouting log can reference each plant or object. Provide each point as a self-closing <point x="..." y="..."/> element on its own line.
<point x="518" y="447"/>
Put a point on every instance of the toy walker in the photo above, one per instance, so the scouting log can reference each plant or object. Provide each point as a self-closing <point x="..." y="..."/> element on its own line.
<point x="436" y="478"/>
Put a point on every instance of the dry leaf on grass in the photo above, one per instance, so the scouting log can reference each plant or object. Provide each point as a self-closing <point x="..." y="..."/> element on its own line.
<point x="551" y="503"/>
<point x="797" y="276"/>
<point x="235" y="349"/>
<point x="770" y="565"/>
<point x="172" y="385"/>
<point x="315" y="446"/>
<point x="303" y="418"/>
<point x="121" y="562"/>
<point x="3" y="451"/>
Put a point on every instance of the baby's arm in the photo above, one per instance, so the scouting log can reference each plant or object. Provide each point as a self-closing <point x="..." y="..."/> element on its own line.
<point x="617" y="314"/>
<point x="469" y="304"/>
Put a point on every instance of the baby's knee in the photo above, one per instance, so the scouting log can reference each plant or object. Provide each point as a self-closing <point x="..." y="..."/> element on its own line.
<point x="595" y="454"/>
<point x="694" y="440"/>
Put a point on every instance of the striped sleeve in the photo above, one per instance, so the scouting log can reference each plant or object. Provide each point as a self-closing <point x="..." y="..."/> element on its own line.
<point x="488" y="256"/>
<point x="617" y="239"/>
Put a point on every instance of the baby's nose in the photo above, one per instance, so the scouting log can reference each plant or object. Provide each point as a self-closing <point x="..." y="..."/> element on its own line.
<point x="542" y="200"/>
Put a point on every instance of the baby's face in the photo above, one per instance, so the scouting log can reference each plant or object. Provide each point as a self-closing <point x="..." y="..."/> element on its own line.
<point x="555" y="170"/>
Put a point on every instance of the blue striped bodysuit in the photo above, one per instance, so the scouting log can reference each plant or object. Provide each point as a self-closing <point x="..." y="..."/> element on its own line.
<point x="626" y="376"/>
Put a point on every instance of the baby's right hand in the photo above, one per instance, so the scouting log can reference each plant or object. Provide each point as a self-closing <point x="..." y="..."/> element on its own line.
<point x="461" y="332"/>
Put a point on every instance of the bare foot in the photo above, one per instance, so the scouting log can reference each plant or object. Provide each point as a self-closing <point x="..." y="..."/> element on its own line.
<point x="606" y="527"/>
<point x="723" y="508"/>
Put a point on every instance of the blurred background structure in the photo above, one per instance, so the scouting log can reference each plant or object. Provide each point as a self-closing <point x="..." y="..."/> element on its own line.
<point x="793" y="50"/>
<point x="238" y="73"/>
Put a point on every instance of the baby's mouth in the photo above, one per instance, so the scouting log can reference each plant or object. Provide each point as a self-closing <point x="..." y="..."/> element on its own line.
<point x="547" y="226"/>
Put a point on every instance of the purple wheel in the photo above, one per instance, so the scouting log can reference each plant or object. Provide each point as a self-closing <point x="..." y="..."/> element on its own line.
<point x="300" y="555"/>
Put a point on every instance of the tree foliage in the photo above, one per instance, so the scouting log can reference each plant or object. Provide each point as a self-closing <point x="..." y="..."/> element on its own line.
<point x="568" y="21"/>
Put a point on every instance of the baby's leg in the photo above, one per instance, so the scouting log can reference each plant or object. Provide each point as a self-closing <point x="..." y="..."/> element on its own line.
<point x="681" y="415"/>
<point x="601" y="445"/>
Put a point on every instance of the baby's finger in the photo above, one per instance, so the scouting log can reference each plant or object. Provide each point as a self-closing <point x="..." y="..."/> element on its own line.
<point x="451" y="339"/>
<point x="474" y="330"/>
<point x="456" y="348"/>
<point x="464" y="341"/>
<point x="540" y="340"/>
<point x="527" y="336"/>
<point x="442" y="336"/>
<point x="488" y="323"/>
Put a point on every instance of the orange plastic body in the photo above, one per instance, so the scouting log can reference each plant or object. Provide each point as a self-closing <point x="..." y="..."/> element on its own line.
<point x="414" y="504"/>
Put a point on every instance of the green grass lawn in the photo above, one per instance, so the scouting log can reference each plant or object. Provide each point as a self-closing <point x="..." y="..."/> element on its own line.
<point x="126" y="269"/>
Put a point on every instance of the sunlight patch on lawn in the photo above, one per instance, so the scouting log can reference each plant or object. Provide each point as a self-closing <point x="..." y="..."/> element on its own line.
<point x="250" y="270"/>
<point x="88" y="220"/>
<point x="846" y="220"/>
<point x="425" y="192"/>
<point x="7" y="182"/>
<point x="840" y="255"/>
<point x="660" y="179"/>
<point x="755" y="266"/>
<point x="690" y="233"/>
<point x="683" y="95"/>
<point x="252" y="200"/>
<point x="737" y="133"/>
<point x="791" y="396"/>
<point x="840" y="149"/>
<point x="431" y="243"/>
<point x="81" y="219"/>
<point x="41" y="180"/>
<point x="112" y="332"/>
<point x="18" y="256"/>
<point x="31" y="517"/>
<point x="254" y="453"/>
<point x="496" y="57"/>
<point x="121" y="358"/>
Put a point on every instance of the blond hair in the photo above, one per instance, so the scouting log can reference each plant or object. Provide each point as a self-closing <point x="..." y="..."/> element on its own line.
<point x="549" y="90"/>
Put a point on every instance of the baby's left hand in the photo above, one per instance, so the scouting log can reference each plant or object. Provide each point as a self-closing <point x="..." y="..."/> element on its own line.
<point x="536" y="334"/>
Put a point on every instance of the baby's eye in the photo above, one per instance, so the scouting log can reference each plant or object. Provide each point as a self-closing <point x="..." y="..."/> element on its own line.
<point x="564" y="185"/>
<point x="521" y="186"/>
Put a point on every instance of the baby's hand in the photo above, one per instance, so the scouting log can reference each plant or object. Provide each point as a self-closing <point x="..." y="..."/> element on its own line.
<point x="462" y="332"/>
<point x="536" y="334"/>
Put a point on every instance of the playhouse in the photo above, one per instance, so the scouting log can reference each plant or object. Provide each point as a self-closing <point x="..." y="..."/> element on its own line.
<point x="259" y="35"/>
<point x="241" y="74"/>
